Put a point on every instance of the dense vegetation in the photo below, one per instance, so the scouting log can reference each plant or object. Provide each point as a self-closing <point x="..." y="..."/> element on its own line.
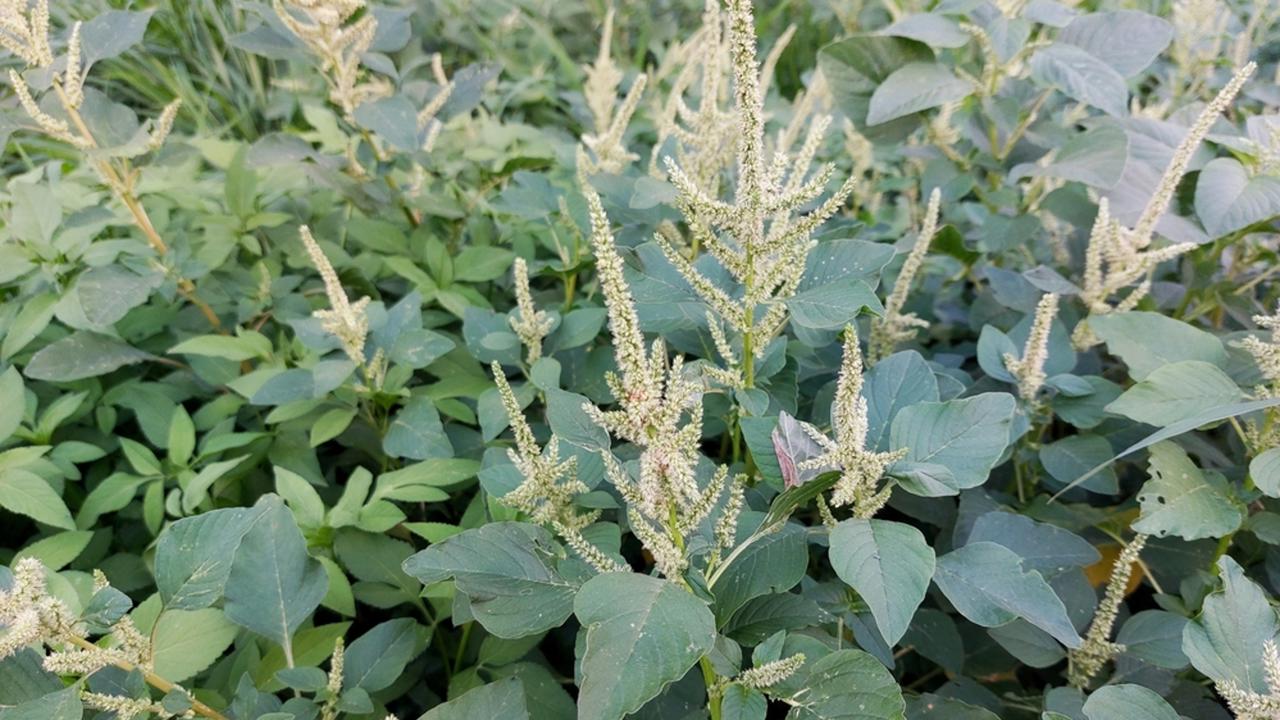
<point x="547" y="359"/>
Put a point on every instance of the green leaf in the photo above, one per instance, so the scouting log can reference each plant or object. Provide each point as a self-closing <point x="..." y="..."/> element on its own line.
<point x="111" y="33"/>
<point x="245" y="347"/>
<point x="1176" y="392"/>
<point x="915" y="87"/>
<point x="848" y="685"/>
<point x="832" y="306"/>
<point x="417" y="432"/>
<point x="642" y="633"/>
<point x="897" y="382"/>
<point x="1127" y="40"/>
<point x="376" y="659"/>
<point x="80" y="355"/>
<point x="61" y="705"/>
<point x="501" y="699"/>
<point x="508" y="571"/>
<point x="188" y="642"/>
<point x="1180" y="500"/>
<point x="857" y="65"/>
<point x="1147" y="341"/>
<point x="482" y="264"/>
<point x="1265" y="471"/>
<point x="988" y="585"/>
<point x="1209" y="416"/>
<point x="109" y="292"/>
<point x="966" y="436"/>
<point x="393" y="119"/>
<point x="25" y="493"/>
<point x="1045" y="548"/>
<point x="193" y="556"/>
<point x="773" y="563"/>
<point x="274" y="584"/>
<point x="889" y="564"/>
<point x="13" y="402"/>
<point x="1082" y="77"/>
<point x="57" y="551"/>
<point x="1225" y="642"/>
<point x="197" y="488"/>
<point x="1228" y="199"/>
<point x="182" y="436"/>
<point x="1127" y="702"/>
<point x="1095" y="157"/>
<point x="1074" y="455"/>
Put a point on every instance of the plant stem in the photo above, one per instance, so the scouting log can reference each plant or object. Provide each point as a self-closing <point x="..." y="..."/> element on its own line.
<point x="153" y="680"/>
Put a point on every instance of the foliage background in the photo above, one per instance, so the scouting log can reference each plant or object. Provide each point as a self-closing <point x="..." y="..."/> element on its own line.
<point x="172" y="414"/>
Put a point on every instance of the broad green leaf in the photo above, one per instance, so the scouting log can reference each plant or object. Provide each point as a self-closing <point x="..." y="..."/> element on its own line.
<point x="197" y="488"/>
<point x="937" y="707"/>
<point x="246" y="346"/>
<point x="61" y="705"/>
<point x="889" y="564"/>
<point x="1082" y="77"/>
<point x="417" y="433"/>
<point x="1228" y="199"/>
<point x="1127" y="40"/>
<point x="57" y="551"/>
<point x="393" y="119"/>
<point x="111" y="33"/>
<point x="1180" y="500"/>
<point x="274" y="584"/>
<point x="1147" y="341"/>
<point x="1155" y="637"/>
<point x="773" y="563"/>
<point x="896" y="382"/>
<point x="25" y="493"/>
<point x="642" y="633"/>
<point x="857" y="65"/>
<point x="1209" y="416"/>
<point x="989" y="585"/>
<point x="915" y="87"/>
<point x="1095" y="157"/>
<point x="501" y="699"/>
<point x="188" y="642"/>
<point x="508" y="571"/>
<point x="1127" y="702"/>
<point x="934" y="30"/>
<point x="966" y="436"/>
<point x="1225" y="642"/>
<point x="1265" y="471"/>
<point x="1045" y="548"/>
<point x="832" y="306"/>
<point x="1176" y="392"/>
<point x="80" y="355"/>
<point x="193" y="556"/>
<point x="109" y="292"/>
<point x="376" y="659"/>
<point x="1074" y="455"/>
<point x="848" y="685"/>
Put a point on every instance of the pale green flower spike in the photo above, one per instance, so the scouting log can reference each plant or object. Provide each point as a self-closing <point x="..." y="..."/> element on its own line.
<point x="333" y="682"/>
<point x="532" y="324"/>
<point x="895" y="326"/>
<point x="1117" y="256"/>
<point x="1085" y="662"/>
<point x="25" y="33"/>
<point x="861" y="468"/>
<point x="322" y="27"/>
<point x="755" y="237"/>
<point x="601" y="92"/>
<point x="348" y="321"/>
<point x="1029" y="370"/>
<point x="771" y="673"/>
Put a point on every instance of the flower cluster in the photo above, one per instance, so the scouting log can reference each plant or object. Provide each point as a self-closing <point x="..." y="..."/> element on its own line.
<point x="1117" y="257"/>
<point x="1029" y="369"/>
<point x="771" y="673"/>
<point x="322" y="27"/>
<point x="755" y="237"/>
<point x="661" y="413"/>
<point x="895" y="326"/>
<point x="348" y="321"/>
<point x="1086" y="661"/>
<point x="860" y="468"/>
<point x="533" y="324"/>
<point x="550" y="484"/>
<point x="601" y="92"/>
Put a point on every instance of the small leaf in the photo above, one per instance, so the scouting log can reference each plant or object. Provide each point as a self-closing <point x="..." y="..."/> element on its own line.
<point x="1082" y="77"/>
<point x="1127" y="702"/>
<point x="1175" y="392"/>
<point x="25" y="493"/>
